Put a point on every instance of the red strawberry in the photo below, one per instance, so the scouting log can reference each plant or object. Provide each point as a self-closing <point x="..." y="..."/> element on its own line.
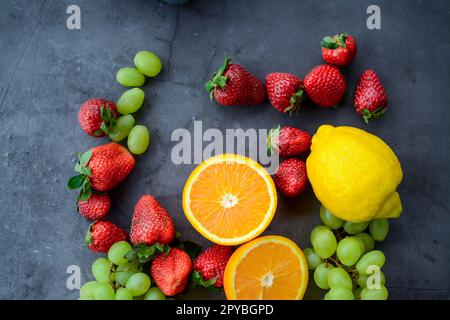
<point x="291" y="178"/>
<point x="171" y="271"/>
<point x="96" y="116"/>
<point x="151" y="223"/>
<point x="288" y="141"/>
<point x="370" y="97"/>
<point x="209" y="266"/>
<point x="339" y="50"/>
<point x="232" y="85"/>
<point x="101" y="168"/>
<point x="325" y="86"/>
<point x="96" y="207"/>
<point x="285" y="91"/>
<point x="103" y="234"/>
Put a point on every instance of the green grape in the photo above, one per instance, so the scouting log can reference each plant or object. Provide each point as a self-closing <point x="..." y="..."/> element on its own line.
<point x="138" y="139"/>
<point x="371" y="258"/>
<point x="379" y="229"/>
<point x="354" y="228"/>
<point x="323" y="241"/>
<point x="357" y="293"/>
<point x="130" y="77"/>
<point x="104" y="292"/>
<point x="154" y="294"/>
<point x="339" y="293"/>
<point x="101" y="270"/>
<point x="338" y="277"/>
<point x="362" y="279"/>
<point x="349" y="250"/>
<point x="141" y="297"/>
<point x="117" y="252"/>
<point x="148" y="63"/>
<point x="374" y="294"/>
<point x="87" y="290"/>
<point x="312" y="257"/>
<point x="123" y="294"/>
<point x="367" y="240"/>
<point x="329" y="219"/>
<point x="321" y="275"/>
<point x="130" y="101"/>
<point x="122" y="128"/>
<point x="123" y="273"/>
<point x="138" y="283"/>
<point x="317" y="230"/>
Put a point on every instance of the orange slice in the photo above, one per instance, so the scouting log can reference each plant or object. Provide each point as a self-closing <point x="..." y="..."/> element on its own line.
<point x="229" y="199"/>
<point x="267" y="268"/>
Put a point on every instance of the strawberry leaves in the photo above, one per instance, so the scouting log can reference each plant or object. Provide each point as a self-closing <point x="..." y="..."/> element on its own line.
<point x="368" y="115"/>
<point x="198" y="281"/>
<point x="144" y="253"/>
<point x="335" y="41"/>
<point x="218" y="79"/>
<point x="272" y="137"/>
<point x="81" y="181"/>
<point x="108" y="122"/>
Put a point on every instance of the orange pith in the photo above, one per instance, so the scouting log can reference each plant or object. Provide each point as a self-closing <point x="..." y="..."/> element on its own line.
<point x="267" y="268"/>
<point x="229" y="199"/>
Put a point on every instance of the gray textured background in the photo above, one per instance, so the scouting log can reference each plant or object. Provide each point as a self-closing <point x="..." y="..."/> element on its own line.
<point x="47" y="71"/>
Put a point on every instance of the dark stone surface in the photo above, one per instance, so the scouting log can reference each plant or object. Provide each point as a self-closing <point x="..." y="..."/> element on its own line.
<point x="47" y="71"/>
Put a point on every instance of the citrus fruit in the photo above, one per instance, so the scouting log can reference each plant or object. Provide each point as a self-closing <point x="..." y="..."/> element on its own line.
<point x="354" y="174"/>
<point x="229" y="199"/>
<point x="267" y="268"/>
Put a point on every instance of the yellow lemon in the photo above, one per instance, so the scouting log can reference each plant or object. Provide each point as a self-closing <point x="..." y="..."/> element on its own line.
<point x="354" y="174"/>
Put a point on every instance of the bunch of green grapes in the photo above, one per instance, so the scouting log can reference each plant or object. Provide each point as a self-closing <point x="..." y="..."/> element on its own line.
<point x="146" y="64"/>
<point x="116" y="278"/>
<point x="344" y="260"/>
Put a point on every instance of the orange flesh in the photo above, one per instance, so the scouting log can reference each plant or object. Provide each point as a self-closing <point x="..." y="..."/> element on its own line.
<point x="234" y="185"/>
<point x="273" y="264"/>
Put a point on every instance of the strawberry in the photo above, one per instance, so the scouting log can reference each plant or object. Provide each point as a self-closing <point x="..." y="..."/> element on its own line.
<point x="232" y="85"/>
<point x="101" y="168"/>
<point x="339" y="50"/>
<point x="325" y="86"/>
<point x="285" y="91"/>
<point x="370" y="97"/>
<point x="171" y="271"/>
<point x="288" y="141"/>
<point x="291" y="178"/>
<point x="209" y="266"/>
<point x="103" y="234"/>
<point x="151" y="223"/>
<point x="97" y="116"/>
<point x="96" y="207"/>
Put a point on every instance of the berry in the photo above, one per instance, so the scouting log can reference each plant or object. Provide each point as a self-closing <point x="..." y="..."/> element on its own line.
<point x="233" y="85"/>
<point x="291" y="178"/>
<point x="288" y="141"/>
<point x="370" y="97"/>
<point x="103" y="234"/>
<point x="339" y="50"/>
<point x="96" y="116"/>
<point x="325" y="86"/>
<point x="285" y="91"/>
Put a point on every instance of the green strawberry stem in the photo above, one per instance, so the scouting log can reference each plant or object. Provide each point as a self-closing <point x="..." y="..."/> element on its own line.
<point x="270" y="142"/>
<point x="108" y="122"/>
<point x="294" y="104"/>
<point x="81" y="181"/>
<point x="218" y="79"/>
<point x="197" y="280"/>
<point x="144" y="253"/>
<point x="88" y="239"/>
<point x="335" y="41"/>
<point x="377" y="114"/>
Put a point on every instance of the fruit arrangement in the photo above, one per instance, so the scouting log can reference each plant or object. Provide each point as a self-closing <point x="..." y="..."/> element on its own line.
<point x="231" y="199"/>
<point x="344" y="260"/>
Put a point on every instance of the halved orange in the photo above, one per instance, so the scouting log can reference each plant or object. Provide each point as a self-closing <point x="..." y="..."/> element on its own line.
<point x="229" y="199"/>
<point x="267" y="268"/>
